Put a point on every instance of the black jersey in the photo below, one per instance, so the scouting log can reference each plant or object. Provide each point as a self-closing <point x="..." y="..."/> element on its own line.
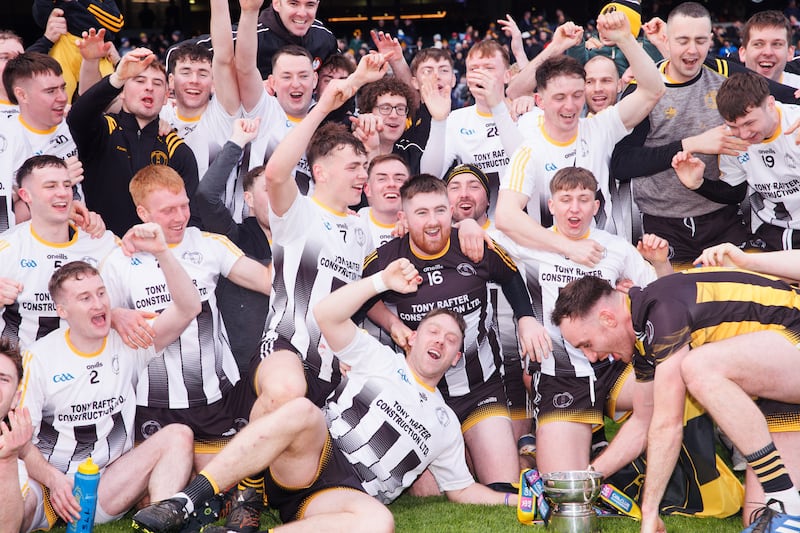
<point x="451" y="280"/>
<point x="706" y="305"/>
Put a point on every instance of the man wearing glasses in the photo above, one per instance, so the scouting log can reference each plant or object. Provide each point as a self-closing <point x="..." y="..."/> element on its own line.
<point x="384" y="118"/>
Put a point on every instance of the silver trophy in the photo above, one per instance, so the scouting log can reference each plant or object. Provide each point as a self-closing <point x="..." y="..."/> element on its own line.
<point x="573" y="493"/>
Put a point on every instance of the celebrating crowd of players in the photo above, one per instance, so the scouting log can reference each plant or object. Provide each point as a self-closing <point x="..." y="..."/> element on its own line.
<point x="319" y="289"/>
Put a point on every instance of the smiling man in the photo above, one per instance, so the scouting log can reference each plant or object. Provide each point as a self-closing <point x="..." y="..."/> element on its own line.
<point x="473" y="387"/>
<point x="693" y="332"/>
<point x="766" y="169"/>
<point x="767" y="46"/>
<point x="114" y="146"/>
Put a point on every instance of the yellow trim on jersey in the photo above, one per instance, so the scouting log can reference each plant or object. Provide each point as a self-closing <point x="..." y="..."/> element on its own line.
<point x="4" y="244"/>
<point x="78" y="352"/>
<point x="67" y="244"/>
<point x="295" y="120"/>
<point x="173" y="141"/>
<point x="112" y="123"/>
<point x="379" y="224"/>
<point x="27" y="357"/>
<point x="726" y="330"/>
<point x="778" y="130"/>
<point x="425" y="385"/>
<point x="481" y="114"/>
<point x="519" y="162"/>
<point x="188" y="119"/>
<point x="486" y="225"/>
<point x="725" y="291"/>
<point x="225" y="241"/>
<point x="584" y="236"/>
<point x="6" y="102"/>
<point x="34" y="130"/>
<point x="503" y="255"/>
<point x="106" y="19"/>
<point x="434" y="256"/>
<point x="372" y="256"/>
<point x="555" y="142"/>
<point x="663" y="70"/>
<point x="328" y="209"/>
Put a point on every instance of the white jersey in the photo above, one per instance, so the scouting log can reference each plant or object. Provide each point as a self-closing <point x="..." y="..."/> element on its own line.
<point x="205" y="134"/>
<point x="13" y="149"/>
<point x="790" y="79"/>
<point x="771" y="168"/>
<point x="378" y="233"/>
<point x="390" y="426"/>
<point x="548" y="273"/>
<point x="81" y="404"/>
<point x="8" y="110"/>
<point x="315" y="251"/>
<point x="275" y="125"/>
<point x="56" y="141"/>
<point x="473" y="137"/>
<point x="535" y="162"/>
<point x="198" y="367"/>
<point x="27" y="258"/>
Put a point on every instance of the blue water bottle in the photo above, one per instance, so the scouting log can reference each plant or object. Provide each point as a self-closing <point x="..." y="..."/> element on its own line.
<point x="85" y="490"/>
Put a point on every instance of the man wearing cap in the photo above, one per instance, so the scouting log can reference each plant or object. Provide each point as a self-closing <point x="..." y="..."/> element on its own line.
<point x="473" y="387"/>
<point x="468" y="192"/>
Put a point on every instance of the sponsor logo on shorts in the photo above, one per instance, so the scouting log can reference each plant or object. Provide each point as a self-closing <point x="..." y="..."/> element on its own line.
<point x="562" y="400"/>
<point x="149" y="428"/>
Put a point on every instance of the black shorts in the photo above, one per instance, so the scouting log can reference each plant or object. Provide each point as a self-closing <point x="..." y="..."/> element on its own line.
<point x="487" y="400"/>
<point x="689" y="236"/>
<point x="334" y="472"/>
<point x="214" y="425"/>
<point x="781" y="417"/>
<point x="317" y="390"/>
<point x="569" y="399"/>
<point x="777" y="238"/>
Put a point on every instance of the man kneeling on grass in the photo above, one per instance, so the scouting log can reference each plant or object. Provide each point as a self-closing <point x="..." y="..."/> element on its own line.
<point x="384" y="425"/>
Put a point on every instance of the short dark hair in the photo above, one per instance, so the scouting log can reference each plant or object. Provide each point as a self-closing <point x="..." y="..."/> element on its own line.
<point x="689" y="9"/>
<point x="560" y="65"/>
<point x="10" y="349"/>
<point x="291" y="50"/>
<point x="189" y="52"/>
<point x="569" y="178"/>
<point x="436" y="54"/>
<point x="26" y="66"/>
<point x="740" y="93"/>
<point x="329" y="137"/>
<point x="578" y="298"/>
<point x="36" y="162"/>
<point x="387" y="157"/>
<point x="770" y="18"/>
<point x="338" y="61"/>
<point x="369" y="93"/>
<point x="72" y="270"/>
<point x="251" y="177"/>
<point x="462" y="325"/>
<point x="422" y="184"/>
<point x="10" y="35"/>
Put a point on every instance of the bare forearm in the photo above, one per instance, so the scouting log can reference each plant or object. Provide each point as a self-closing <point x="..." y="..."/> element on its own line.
<point x="249" y="78"/>
<point x="481" y="495"/>
<point x="525" y="231"/>
<point x="184" y="294"/>
<point x="12" y="510"/>
<point x="664" y="443"/>
<point x="648" y="79"/>
<point x="629" y="442"/>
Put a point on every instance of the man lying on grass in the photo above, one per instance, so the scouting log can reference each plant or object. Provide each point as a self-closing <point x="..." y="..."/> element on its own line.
<point x="383" y="426"/>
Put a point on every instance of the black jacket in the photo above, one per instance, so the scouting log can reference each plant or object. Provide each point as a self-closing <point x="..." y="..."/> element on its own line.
<point x="113" y="148"/>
